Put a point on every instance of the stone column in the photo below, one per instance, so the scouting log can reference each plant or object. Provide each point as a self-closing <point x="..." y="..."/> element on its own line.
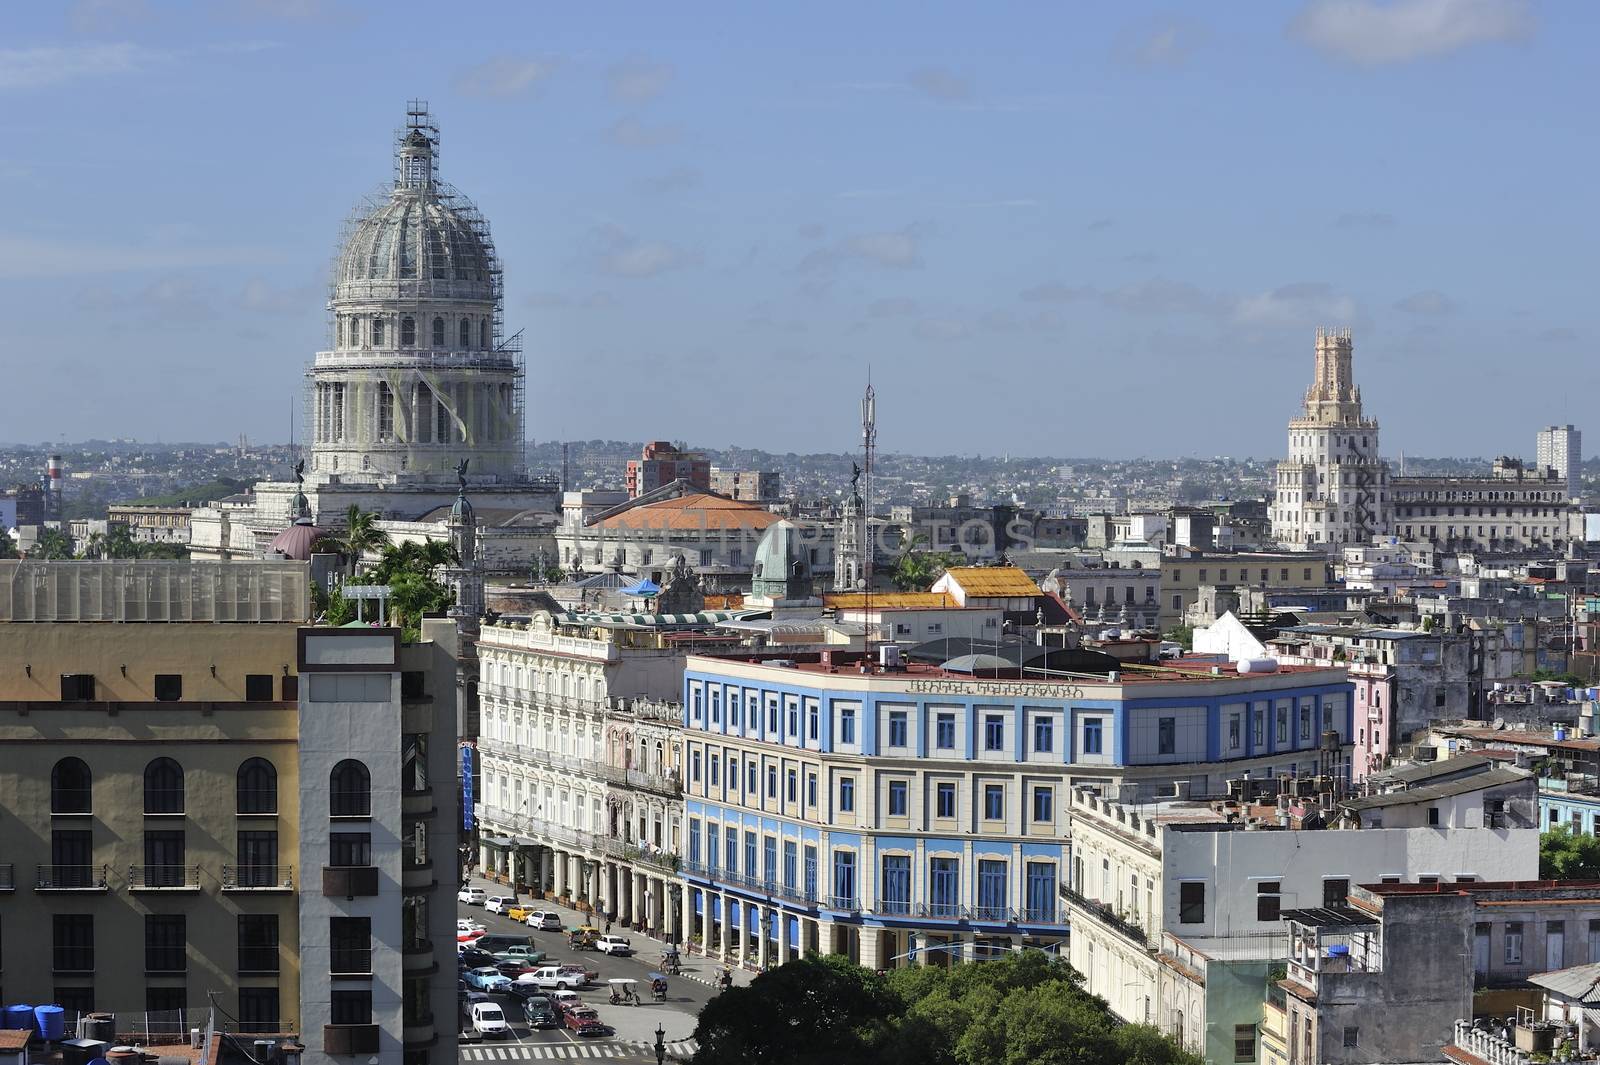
<point x="871" y="942"/>
<point x="969" y="949"/>
<point x="919" y="955"/>
<point x="687" y="927"/>
<point x="560" y="860"/>
<point x="659" y="905"/>
<point x="761" y="939"/>
<point x="783" y="934"/>
<point x="636" y="884"/>
<point x="722" y="925"/>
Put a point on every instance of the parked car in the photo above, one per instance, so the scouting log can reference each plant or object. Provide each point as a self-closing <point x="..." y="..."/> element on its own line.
<point x="472" y="896"/>
<point x="618" y="946"/>
<point x="545" y="920"/>
<point x="562" y="1001"/>
<point x="585" y="1021"/>
<point x="495" y="942"/>
<point x="521" y="952"/>
<point x="513" y="968"/>
<point x="489" y="1020"/>
<point x="588" y="975"/>
<point x="499" y="903"/>
<point x="525" y="989"/>
<point x="467" y="924"/>
<point x="540" y="1012"/>
<point x="474" y="957"/>
<point x="554" y="977"/>
<point x="519" y="912"/>
<point x="468" y="998"/>
<point x="488" y="979"/>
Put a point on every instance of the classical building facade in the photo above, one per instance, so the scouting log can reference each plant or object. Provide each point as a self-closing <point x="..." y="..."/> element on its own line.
<point x="1513" y="509"/>
<point x="1334" y="487"/>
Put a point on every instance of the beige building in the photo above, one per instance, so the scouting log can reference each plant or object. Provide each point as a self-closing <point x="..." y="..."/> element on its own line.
<point x="152" y="524"/>
<point x="1182" y="576"/>
<point x="1514" y="508"/>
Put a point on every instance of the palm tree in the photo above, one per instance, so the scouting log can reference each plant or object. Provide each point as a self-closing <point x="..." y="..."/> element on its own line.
<point x="361" y="534"/>
<point x="421" y="558"/>
<point x="52" y="544"/>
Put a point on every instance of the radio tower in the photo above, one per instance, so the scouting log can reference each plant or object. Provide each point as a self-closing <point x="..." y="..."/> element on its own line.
<point x="869" y="447"/>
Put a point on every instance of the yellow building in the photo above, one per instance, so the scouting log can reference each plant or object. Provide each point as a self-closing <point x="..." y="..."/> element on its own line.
<point x="1183" y="575"/>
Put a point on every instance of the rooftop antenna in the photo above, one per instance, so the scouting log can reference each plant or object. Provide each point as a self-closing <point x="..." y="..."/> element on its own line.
<point x="869" y="447"/>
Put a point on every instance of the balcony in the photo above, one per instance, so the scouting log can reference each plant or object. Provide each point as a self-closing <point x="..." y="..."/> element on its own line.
<point x="349" y="881"/>
<point x="843" y="903"/>
<point x="349" y="1039"/>
<point x="668" y="785"/>
<point x="943" y="911"/>
<point x="258" y="878"/>
<point x="73" y="878"/>
<point x="163" y="878"/>
<point x="628" y="852"/>
<point x="773" y="888"/>
<point x="1105" y="915"/>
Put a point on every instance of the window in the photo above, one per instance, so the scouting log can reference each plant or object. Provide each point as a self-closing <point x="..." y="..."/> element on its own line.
<point x="438" y="332"/>
<point x="1044" y="804"/>
<point x="1093" y="736"/>
<point x="257" y="859"/>
<point x="844" y="879"/>
<point x="1258" y="728"/>
<point x="73" y="937"/>
<point x="1044" y="735"/>
<point x="350" y="790"/>
<point x="351" y="1006"/>
<point x="992" y="892"/>
<point x="944" y="887"/>
<point x="74" y="999"/>
<point x="716" y="706"/>
<point x="811" y="789"/>
<point x="1166" y="735"/>
<point x="994" y="802"/>
<point x="349" y="849"/>
<point x="1244" y="1042"/>
<point x="1192" y="902"/>
<point x="847" y="726"/>
<point x="772" y="714"/>
<point x="945" y="732"/>
<point x="377" y="331"/>
<point x="408" y="331"/>
<point x="694" y="765"/>
<point x="791" y="785"/>
<point x="465" y="334"/>
<point x="894" y="893"/>
<point x="772" y="782"/>
<point x="897" y="798"/>
<point x="1513" y="943"/>
<point x="944" y="800"/>
<point x="483" y="334"/>
<point x="163" y="787"/>
<point x="730" y="847"/>
<point x="258" y="942"/>
<point x="811" y="722"/>
<point x="994" y="732"/>
<point x="164" y="862"/>
<point x="170" y="1001"/>
<point x="1269" y="895"/>
<point x="790" y="860"/>
<point x="811" y="872"/>
<point x="77" y="687"/>
<point x="1305" y="724"/>
<point x="1352" y="1036"/>
<point x="71" y="854"/>
<point x="769" y="858"/>
<point x="750" y="869"/>
<point x="1041" y="892"/>
<point x="847" y="795"/>
<point x="71" y="787"/>
<point x="164" y="940"/>
<point x="694" y="841"/>
<point x="1433" y="816"/>
<point x="1234" y="730"/>
<point x="258" y="687"/>
<point x="258" y="1009"/>
<point x="349" y="944"/>
<point x="169" y="687"/>
<point x="1335" y="891"/>
<point x="897" y="728"/>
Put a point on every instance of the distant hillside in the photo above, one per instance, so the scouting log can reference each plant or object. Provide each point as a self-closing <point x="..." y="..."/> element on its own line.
<point x="197" y="494"/>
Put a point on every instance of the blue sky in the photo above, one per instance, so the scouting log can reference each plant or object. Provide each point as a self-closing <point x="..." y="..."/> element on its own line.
<point x="1050" y="228"/>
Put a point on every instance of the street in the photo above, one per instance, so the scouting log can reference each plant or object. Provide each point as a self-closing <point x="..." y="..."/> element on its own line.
<point x="634" y="1026"/>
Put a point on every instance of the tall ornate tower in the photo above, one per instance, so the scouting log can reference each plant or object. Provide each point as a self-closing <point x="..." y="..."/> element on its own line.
<point x="418" y="376"/>
<point x="847" y="537"/>
<point x="1333" y="488"/>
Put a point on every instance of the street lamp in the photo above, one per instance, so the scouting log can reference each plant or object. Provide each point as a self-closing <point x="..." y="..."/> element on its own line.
<point x="661" y="1045"/>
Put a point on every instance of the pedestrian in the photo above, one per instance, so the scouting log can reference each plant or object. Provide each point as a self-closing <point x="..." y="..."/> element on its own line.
<point x="608" y="926"/>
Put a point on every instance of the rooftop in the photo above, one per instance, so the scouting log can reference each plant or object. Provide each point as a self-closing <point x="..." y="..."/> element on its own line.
<point x="848" y="662"/>
<point x="890" y="601"/>
<point x="1005" y="582"/>
<point x="691" y="511"/>
<point x="1443" y="790"/>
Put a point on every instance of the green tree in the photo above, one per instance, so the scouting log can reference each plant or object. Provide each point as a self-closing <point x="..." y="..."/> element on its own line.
<point x="413" y="557"/>
<point x="8" y="546"/>
<point x="52" y="545"/>
<point x="119" y="543"/>
<point x="361" y="534"/>
<point x="917" y="568"/>
<point x="411" y="595"/>
<point x="1183" y="635"/>
<point x="821" y="1009"/>
<point x="1568" y="855"/>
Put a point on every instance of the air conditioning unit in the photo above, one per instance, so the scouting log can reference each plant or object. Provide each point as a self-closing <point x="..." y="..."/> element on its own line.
<point x="889" y="656"/>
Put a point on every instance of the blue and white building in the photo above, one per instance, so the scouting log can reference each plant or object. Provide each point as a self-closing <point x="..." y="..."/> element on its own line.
<point x="921" y="814"/>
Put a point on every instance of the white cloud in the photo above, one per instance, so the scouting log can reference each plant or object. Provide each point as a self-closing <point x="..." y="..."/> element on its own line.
<point x="32" y="68"/>
<point x="1303" y="301"/>
<point x="629" y="132"/>
<point x="504" y="75"/>
<point x="636" y="81"/>
<point x="892" y="249"/>
<point x="940" y="84"/>
<point x="1429" y="301"/>
<point x="1160" y="42"/>
<point x="622" y="254"/>
<point x="1368" y="32"/>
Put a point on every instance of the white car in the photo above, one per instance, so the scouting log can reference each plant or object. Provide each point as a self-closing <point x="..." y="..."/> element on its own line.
<point x="545" y="921"/>
<point x="553" y="977"/>
<point x="467" y="925"/>
<point x="499" y="903"/>
<point x="489" y="1020"/>
<point x="472" y="896"/>
<point x="615" y="945"/>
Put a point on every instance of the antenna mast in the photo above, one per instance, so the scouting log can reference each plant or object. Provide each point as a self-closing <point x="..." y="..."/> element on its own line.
<point x="869" y="447"/>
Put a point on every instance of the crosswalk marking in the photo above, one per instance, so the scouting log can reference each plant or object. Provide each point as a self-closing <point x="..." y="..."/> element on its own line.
<point x="562" y="1051"/>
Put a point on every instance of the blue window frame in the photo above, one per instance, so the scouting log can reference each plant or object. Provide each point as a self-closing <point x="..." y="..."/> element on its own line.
<point x="847" y="726"/>
<point x="794" y="721"/>
<point x="994" y="801"/>
<point x="733" y="773"/>
<point x="716" y="771"/>
<point x="1093" y="736"/>
<point x="847" y="795"/>
<point x="897" y="798"/>
<point x="694" y="704"/>
<point x="716" y="706"/>
<point x="791" y="786"/>
<point x="1044" y="735"/>
<point x="944" y="887"/>
<point x="790" y="861"/>
<point x="811" y="789"/>
<point x="944" y="732"/>
<point x="731" y="847"/>
<point x="897" y="728"/>
<point x="711" y="846"/>
<point x="769" y="858"/>
<point x="945" y="800"/>
<point x="772" y="714"/>
<point x="1044" y="804"/>
<point x="991" y="890"/>
<point x="994" y="732"/>
<point x="694" y="840"/>
<point x="694" y="766"/>
<point x="812" y="714"/>
<point x="735" y="718"/>
<point x="750" y="869"/>
<point x="844" y="879"/>
<point x="811" y="871"/>
<point x="751" y="781"/>
<point x="894" y="893"/>
<point x="772" y="782"/>
<point x="1041" y="892"/>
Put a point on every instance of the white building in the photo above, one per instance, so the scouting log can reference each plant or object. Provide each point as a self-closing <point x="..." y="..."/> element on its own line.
<point x="1333" y="488"/>
<point x="1561" y="449"/>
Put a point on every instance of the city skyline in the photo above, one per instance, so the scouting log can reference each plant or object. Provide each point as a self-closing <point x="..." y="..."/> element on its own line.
<point x="925" y="213"/>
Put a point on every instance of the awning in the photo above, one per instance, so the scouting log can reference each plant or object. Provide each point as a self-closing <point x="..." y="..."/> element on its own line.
<point x="497" y="841"/>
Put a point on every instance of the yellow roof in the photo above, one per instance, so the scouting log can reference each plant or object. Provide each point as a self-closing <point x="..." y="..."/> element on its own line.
<point x="889" y="600"/>
<point x="993" y="582"/>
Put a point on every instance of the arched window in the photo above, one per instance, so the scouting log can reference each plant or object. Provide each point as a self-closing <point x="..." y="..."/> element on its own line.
<point x="256" y="787"/>
<point x="350" y="790"/>
<point x="483" y="334"/>
<point x="438" y="332"/>
<point x="466" y="334"/>
<point x="408" y="331"/>
<point x="377" y="332"/>
<point x="163" y="787"/>
<point x="71" y="787"/>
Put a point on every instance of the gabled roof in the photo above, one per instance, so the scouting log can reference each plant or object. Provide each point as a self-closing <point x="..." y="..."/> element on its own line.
<point x="994" y="582"/>
<point x="1504" y="774"/>
<point x="692" y="510"/>
<point x="1580" y="983"/>
<point x="890" y="600"/>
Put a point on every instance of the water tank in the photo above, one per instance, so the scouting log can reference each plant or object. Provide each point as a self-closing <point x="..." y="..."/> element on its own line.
<point x="19" y="1017"/>
<point x="1560" y="733"/>
<point x="52" y="1022"/>
<point x="101" y="1026"/>
<point x="1257" y="665"/>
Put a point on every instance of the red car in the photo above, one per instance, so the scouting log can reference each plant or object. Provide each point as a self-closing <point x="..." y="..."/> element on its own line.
<point x="585" y="1021"/>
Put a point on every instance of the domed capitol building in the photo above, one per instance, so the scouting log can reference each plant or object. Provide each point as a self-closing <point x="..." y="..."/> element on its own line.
<point x="418" y="378"/>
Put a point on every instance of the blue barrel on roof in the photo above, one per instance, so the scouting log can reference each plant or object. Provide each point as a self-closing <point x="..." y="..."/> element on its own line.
<point x="18" y="1017"/>
<point x="52" y="1022"/>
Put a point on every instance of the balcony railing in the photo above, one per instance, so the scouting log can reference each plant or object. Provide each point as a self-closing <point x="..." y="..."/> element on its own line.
<point x="947" y="911"/>
<point x="1045" y="915"/>
<point x="994" y="914"/>
<point x="843" y="903"/>
<point x="514" y="823"/>
<point x="775" y="888"/>
<point x="258" y="878"/>
<point x="631" y="852"/>
<point x="72" y="878"/>
<point x="1488" y="1047"/>
<point x="1105" y="915"/>
<point x="894" y="907"/>
<point x="170" y="877"/>
<point x="667" y="784"/>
